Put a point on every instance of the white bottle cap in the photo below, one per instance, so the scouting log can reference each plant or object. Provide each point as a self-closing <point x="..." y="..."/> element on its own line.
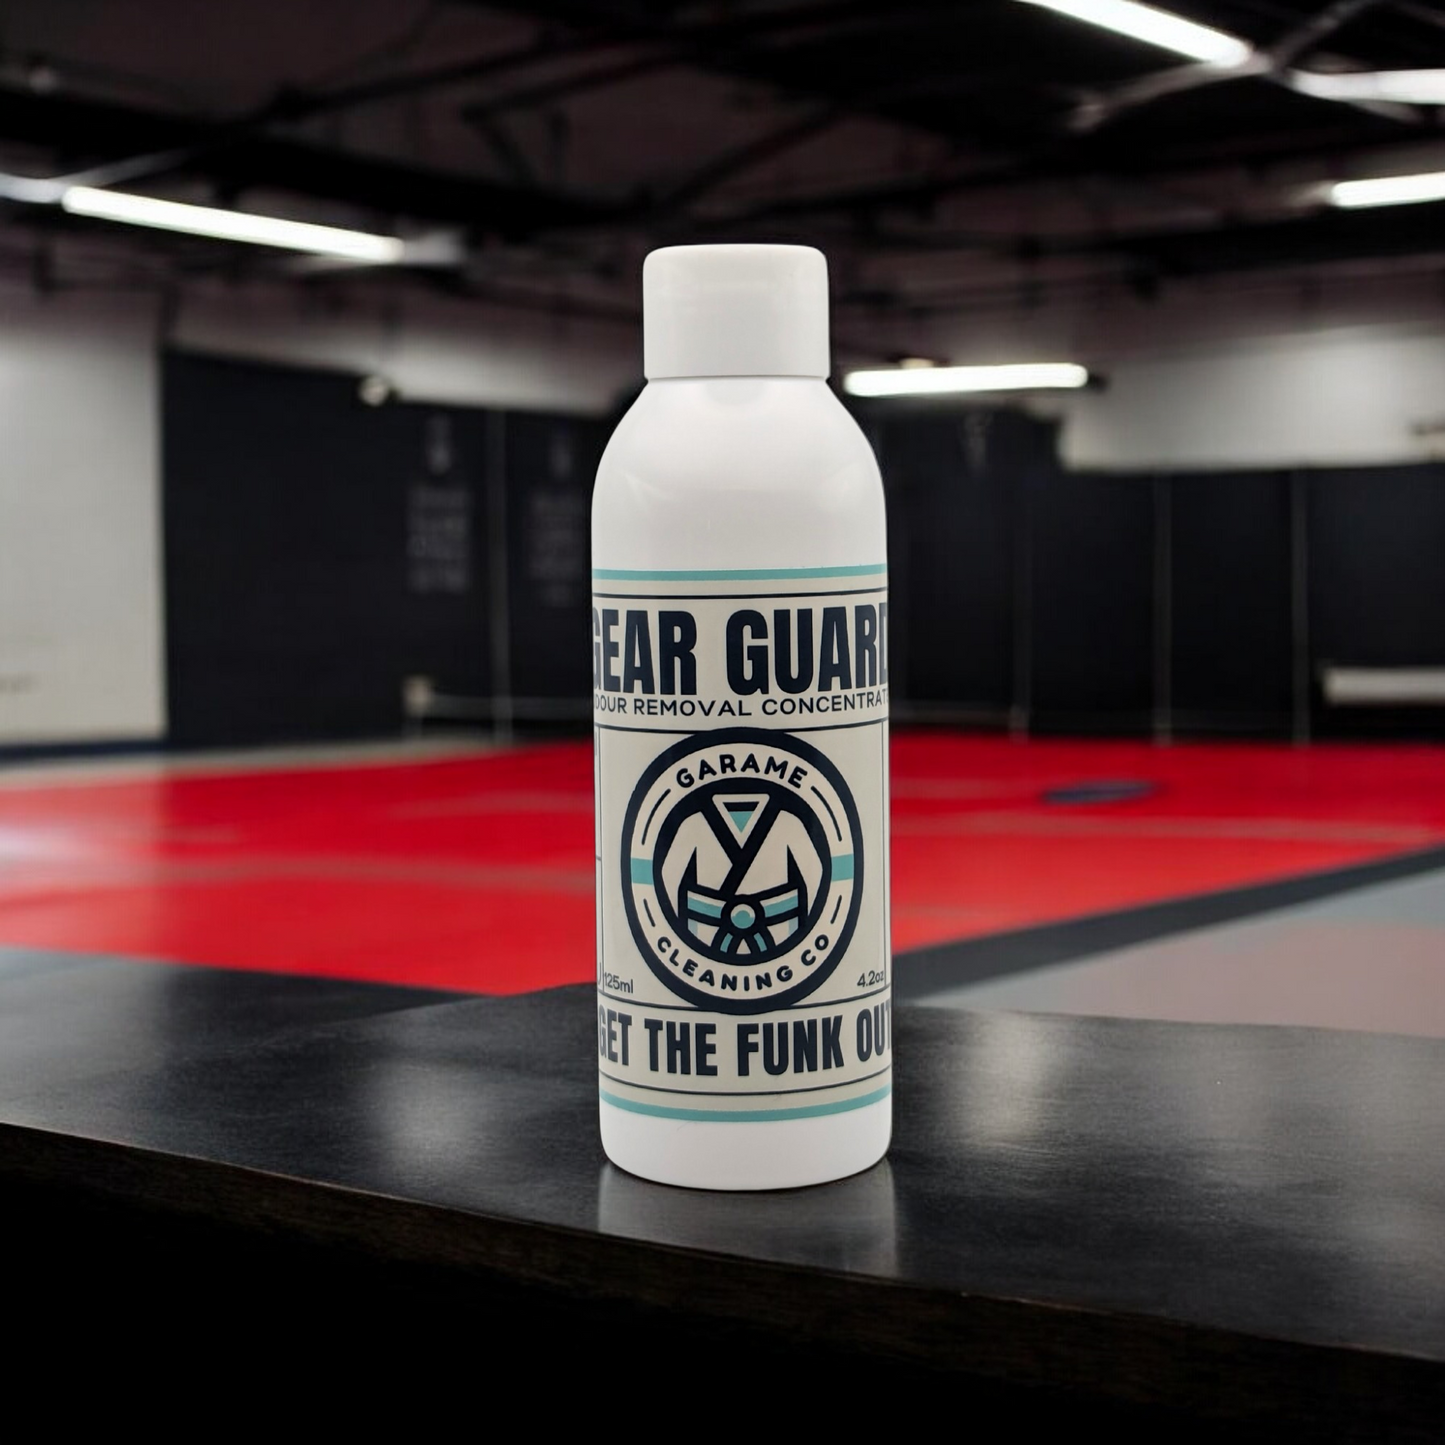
<point x="735" y="311"/>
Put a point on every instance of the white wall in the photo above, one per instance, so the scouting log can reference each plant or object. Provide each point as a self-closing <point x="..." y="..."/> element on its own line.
<point x="1361" y="396"/>
<point x="1269" y="372"/>
<point x="447" y="352"/>
<point x="81" y="652"/>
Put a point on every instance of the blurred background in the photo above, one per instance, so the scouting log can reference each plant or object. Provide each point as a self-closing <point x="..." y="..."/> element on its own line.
<point x="273" y="484"/>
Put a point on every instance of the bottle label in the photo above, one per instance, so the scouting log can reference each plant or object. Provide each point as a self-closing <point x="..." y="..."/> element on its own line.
<point x="741" y="752"/>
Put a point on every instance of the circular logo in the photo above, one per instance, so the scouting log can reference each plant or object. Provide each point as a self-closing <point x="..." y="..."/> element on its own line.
<point x="742" y="868"/>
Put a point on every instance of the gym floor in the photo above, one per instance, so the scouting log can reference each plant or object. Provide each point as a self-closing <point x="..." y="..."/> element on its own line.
<point x="1214" y="883"/>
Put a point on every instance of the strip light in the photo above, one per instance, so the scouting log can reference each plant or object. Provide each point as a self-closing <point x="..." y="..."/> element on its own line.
<point x="1388" y="191"/>
<point x="1402" y="87"/>
<point x="1155" y="27"/>
<point x="946" y="380"/>
<point x="224" y="225"/>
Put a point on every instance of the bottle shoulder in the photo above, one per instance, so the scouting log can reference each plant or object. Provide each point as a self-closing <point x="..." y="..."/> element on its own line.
<point x="704" y="471"/>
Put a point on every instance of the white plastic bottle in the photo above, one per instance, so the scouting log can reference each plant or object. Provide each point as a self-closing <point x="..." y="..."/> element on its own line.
<point x="740" y="663"/>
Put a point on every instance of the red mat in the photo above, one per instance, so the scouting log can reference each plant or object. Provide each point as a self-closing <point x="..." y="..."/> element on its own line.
<point x="477" y="874"/>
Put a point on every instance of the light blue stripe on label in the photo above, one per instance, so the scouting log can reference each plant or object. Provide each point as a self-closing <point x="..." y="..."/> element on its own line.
<point x="843" y="866"/>
<point x="642" y="870"/>
<point x="746" y="1116"/>
<point x="737" y="574"/>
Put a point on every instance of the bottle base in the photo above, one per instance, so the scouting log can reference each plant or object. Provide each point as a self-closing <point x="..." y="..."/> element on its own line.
<point x="786" y="1154"/>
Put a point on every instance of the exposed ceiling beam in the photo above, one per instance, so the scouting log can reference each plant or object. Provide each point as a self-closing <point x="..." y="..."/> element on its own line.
<point x="737" y="160"/>
<point x="1062" y="160"/>
<point x="1299" y="241"/>
<point x="1317" y="238"/>
<point x="1275" y="63"/>
<point x="663" y="45"/>
<point x="759" y="44"/>
<point x="85" y="133"/>
<point x="548" y="92"/>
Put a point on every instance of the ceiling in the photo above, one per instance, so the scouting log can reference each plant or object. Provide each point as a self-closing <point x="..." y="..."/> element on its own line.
<point x="944" y="154"/>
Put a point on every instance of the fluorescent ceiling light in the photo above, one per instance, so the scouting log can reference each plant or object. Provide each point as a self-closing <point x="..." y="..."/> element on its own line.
<point x="941" y="380"/>
<point x="1402" y="87"/>
<point x="233" y="225"/>
<point x="1388" y="191"/>
<point x="1156" y="27"/>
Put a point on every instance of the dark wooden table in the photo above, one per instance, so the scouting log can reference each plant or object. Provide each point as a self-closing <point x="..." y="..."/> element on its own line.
<point x="1156" y="1227"/>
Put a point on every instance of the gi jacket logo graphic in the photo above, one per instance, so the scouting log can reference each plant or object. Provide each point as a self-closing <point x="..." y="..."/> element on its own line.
<point x="742" y="868"/>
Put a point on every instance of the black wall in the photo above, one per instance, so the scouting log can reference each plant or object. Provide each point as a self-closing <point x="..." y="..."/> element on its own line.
<point x="319" y="552"/>
<point x="1376" y="582"/>
<point x="956" y="487"/>
<point x="1182" y="603"/>
<point x="549" y="465"/>
<point x="1092" y="623"/>
<point x="1230" y="602"/>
